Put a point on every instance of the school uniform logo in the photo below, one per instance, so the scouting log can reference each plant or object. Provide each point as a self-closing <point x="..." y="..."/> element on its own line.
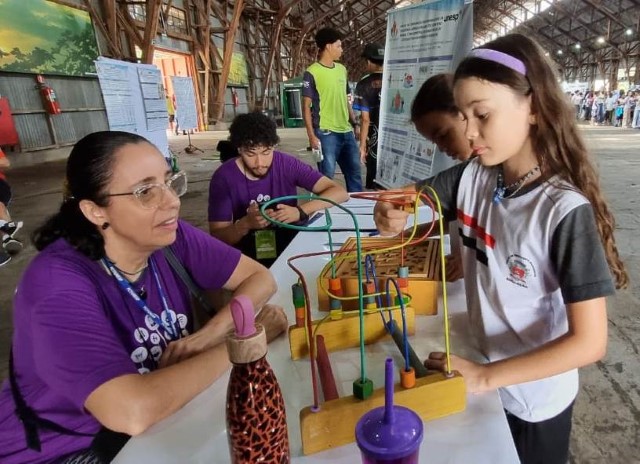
<point x="520" y="270"/>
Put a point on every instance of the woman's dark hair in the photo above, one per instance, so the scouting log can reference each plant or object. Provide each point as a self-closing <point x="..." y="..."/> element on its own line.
<point x="89" y="170"/>
<point x="555" y="137"/>
<point x="436" y="94"/>
<point x="253" y="130"/>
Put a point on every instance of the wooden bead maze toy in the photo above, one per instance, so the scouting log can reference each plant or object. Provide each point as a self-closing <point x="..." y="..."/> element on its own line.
<point x="423" y="260"/>
<point x="332" y="423"/>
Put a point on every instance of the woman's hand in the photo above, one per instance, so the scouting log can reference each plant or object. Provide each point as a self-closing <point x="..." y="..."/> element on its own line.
<point x="274" y="321"/>
<point x="272" y="318"/>
<point x="475" y="375"/>
<point x="184" y="348"/>
<point x="389" y="220"/>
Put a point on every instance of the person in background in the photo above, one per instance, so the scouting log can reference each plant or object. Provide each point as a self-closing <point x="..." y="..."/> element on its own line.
<point x="367" y="100"/>
<point x="104" y="342"/>
<point x="437" y="119"/>
<point x="328" y="116"/>
<point x="259" y="174"/>
<point x="539" y="252"/>
<point x="8" y="227"/>
<point x="171" y="111"/>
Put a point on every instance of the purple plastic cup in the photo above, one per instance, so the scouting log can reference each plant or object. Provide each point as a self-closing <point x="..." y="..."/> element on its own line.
<point x="389" y="434"/>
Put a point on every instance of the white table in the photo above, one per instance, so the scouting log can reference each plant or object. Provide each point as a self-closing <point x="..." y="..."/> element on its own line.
<point x="197" y="434"/>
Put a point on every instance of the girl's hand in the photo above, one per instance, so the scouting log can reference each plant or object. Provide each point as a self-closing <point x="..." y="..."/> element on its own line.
<point x="389" y="220"/>
<point x="475" y="375"/>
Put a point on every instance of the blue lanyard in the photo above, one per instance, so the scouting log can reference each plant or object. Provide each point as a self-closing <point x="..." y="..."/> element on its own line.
<point x="169" y="326"/>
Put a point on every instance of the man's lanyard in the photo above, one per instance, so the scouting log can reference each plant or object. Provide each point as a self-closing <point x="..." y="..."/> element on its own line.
<point x="168" y="325"/>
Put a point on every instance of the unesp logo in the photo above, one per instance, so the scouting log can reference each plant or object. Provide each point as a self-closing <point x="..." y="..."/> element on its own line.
<point x="451" y="17"/>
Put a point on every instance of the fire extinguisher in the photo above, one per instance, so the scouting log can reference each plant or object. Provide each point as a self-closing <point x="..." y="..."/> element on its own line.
<point x="49" y="99"/>
<point x="234" y="98"/>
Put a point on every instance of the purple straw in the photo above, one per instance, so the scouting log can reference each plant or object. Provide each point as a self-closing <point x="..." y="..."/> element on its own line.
<point x="388" y="392"/>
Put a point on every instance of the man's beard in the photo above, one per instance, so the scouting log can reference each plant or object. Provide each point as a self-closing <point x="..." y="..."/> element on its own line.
<point x="253" y="173"/>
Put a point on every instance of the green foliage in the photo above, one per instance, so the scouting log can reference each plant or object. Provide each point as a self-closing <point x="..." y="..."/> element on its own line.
<point x="72" y="53"/>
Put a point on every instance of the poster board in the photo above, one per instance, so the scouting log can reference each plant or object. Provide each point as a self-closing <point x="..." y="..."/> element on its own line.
<point x="134" y="98"/>
<point x="185" y="104"/>
<point x="422" y="40"/>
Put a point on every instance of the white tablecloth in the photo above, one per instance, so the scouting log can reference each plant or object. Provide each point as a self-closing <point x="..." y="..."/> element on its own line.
<point x="197" y="434"/>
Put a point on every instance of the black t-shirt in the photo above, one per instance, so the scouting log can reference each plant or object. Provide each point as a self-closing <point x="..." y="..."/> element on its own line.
<point x="367" y="98"/>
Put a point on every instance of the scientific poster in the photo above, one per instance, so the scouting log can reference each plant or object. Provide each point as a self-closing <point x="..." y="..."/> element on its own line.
<point x="134" y="100"/>
<point x="422" y="40"/>
<point x="186" y="111"/>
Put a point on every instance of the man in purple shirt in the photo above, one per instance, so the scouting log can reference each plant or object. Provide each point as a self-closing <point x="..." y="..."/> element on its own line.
<point x="260" y="174"/>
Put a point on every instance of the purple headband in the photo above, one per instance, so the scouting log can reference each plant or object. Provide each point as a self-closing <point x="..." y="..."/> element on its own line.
<point x="499" y="57"/>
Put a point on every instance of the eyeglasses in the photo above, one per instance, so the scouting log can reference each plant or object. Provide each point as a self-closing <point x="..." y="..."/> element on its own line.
<point x="150" y="195"/>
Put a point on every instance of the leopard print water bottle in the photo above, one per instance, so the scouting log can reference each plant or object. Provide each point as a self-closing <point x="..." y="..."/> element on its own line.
<point x="256" y="420"/>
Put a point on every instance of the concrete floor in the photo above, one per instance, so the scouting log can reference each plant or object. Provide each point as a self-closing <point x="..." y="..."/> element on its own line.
<point x="607" y="413"/>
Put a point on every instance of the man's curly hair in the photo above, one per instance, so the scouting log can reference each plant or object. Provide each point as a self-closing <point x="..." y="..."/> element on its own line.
<point x="252" y="130"/>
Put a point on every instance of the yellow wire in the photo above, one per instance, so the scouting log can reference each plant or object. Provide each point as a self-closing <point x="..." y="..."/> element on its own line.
<point x="344" y="256"/>
<point x="444" y="279"/>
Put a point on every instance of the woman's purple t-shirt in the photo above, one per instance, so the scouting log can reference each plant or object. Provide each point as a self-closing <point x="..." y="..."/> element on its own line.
<point x="231" y="193"/>
<point x="75" y="329"/>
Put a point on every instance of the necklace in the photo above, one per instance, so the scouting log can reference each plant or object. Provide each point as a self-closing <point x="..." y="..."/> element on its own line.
<point x="500" y="192"/>
<point x="134" y="273"/>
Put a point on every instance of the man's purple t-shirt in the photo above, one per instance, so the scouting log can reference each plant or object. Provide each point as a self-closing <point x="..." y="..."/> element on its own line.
<point x="231" y="193"/>
<point x="75" y="329"/>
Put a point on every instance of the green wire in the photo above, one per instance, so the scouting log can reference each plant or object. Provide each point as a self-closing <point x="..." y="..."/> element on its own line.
<point x="333" y="261"/>
<point x="264" y="206"/>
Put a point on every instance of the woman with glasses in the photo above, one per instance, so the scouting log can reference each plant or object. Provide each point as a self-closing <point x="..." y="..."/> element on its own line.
<point x="103" y="329"/>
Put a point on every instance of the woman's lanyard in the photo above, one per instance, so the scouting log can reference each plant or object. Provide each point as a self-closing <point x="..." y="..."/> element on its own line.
<point x="168" y="325"/>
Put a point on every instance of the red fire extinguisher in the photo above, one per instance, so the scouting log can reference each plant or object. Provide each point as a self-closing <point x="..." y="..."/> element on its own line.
<point x="49" y="99"/>
<point x="234" y="98"/>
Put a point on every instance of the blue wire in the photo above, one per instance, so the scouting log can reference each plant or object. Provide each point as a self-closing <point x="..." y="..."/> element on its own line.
<point x="405" y="338"/>
<point x="370" y="263"/>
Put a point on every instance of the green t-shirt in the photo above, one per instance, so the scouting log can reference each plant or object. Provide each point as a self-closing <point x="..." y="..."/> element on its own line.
<point x="328" y="89"/>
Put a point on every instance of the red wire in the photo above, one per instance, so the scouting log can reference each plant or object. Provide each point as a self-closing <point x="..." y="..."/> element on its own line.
<point x="307" y="306"/>
<point x="378" y="196"/>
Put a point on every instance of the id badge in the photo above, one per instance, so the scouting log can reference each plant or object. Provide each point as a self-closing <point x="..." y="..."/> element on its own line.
<point x="266" y="244"/>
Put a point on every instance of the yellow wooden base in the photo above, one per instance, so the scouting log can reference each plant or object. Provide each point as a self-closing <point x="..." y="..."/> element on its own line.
<point x="334" y="425"/>
<point x="345" y="332"/>
<point x="424" y="274"/>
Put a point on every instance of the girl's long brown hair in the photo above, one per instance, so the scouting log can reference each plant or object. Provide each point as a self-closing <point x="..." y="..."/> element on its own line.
<point x="555" y="138"/>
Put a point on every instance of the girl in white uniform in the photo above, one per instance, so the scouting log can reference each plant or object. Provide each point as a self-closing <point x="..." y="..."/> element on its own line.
<point x="538" y="251"/>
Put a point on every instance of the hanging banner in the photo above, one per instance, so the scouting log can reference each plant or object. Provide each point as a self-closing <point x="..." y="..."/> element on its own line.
<point x="185" y="104"/>
<point x="44" y="37"/>
<point x="422" y="40"/>
<point x="134" y="99"/>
